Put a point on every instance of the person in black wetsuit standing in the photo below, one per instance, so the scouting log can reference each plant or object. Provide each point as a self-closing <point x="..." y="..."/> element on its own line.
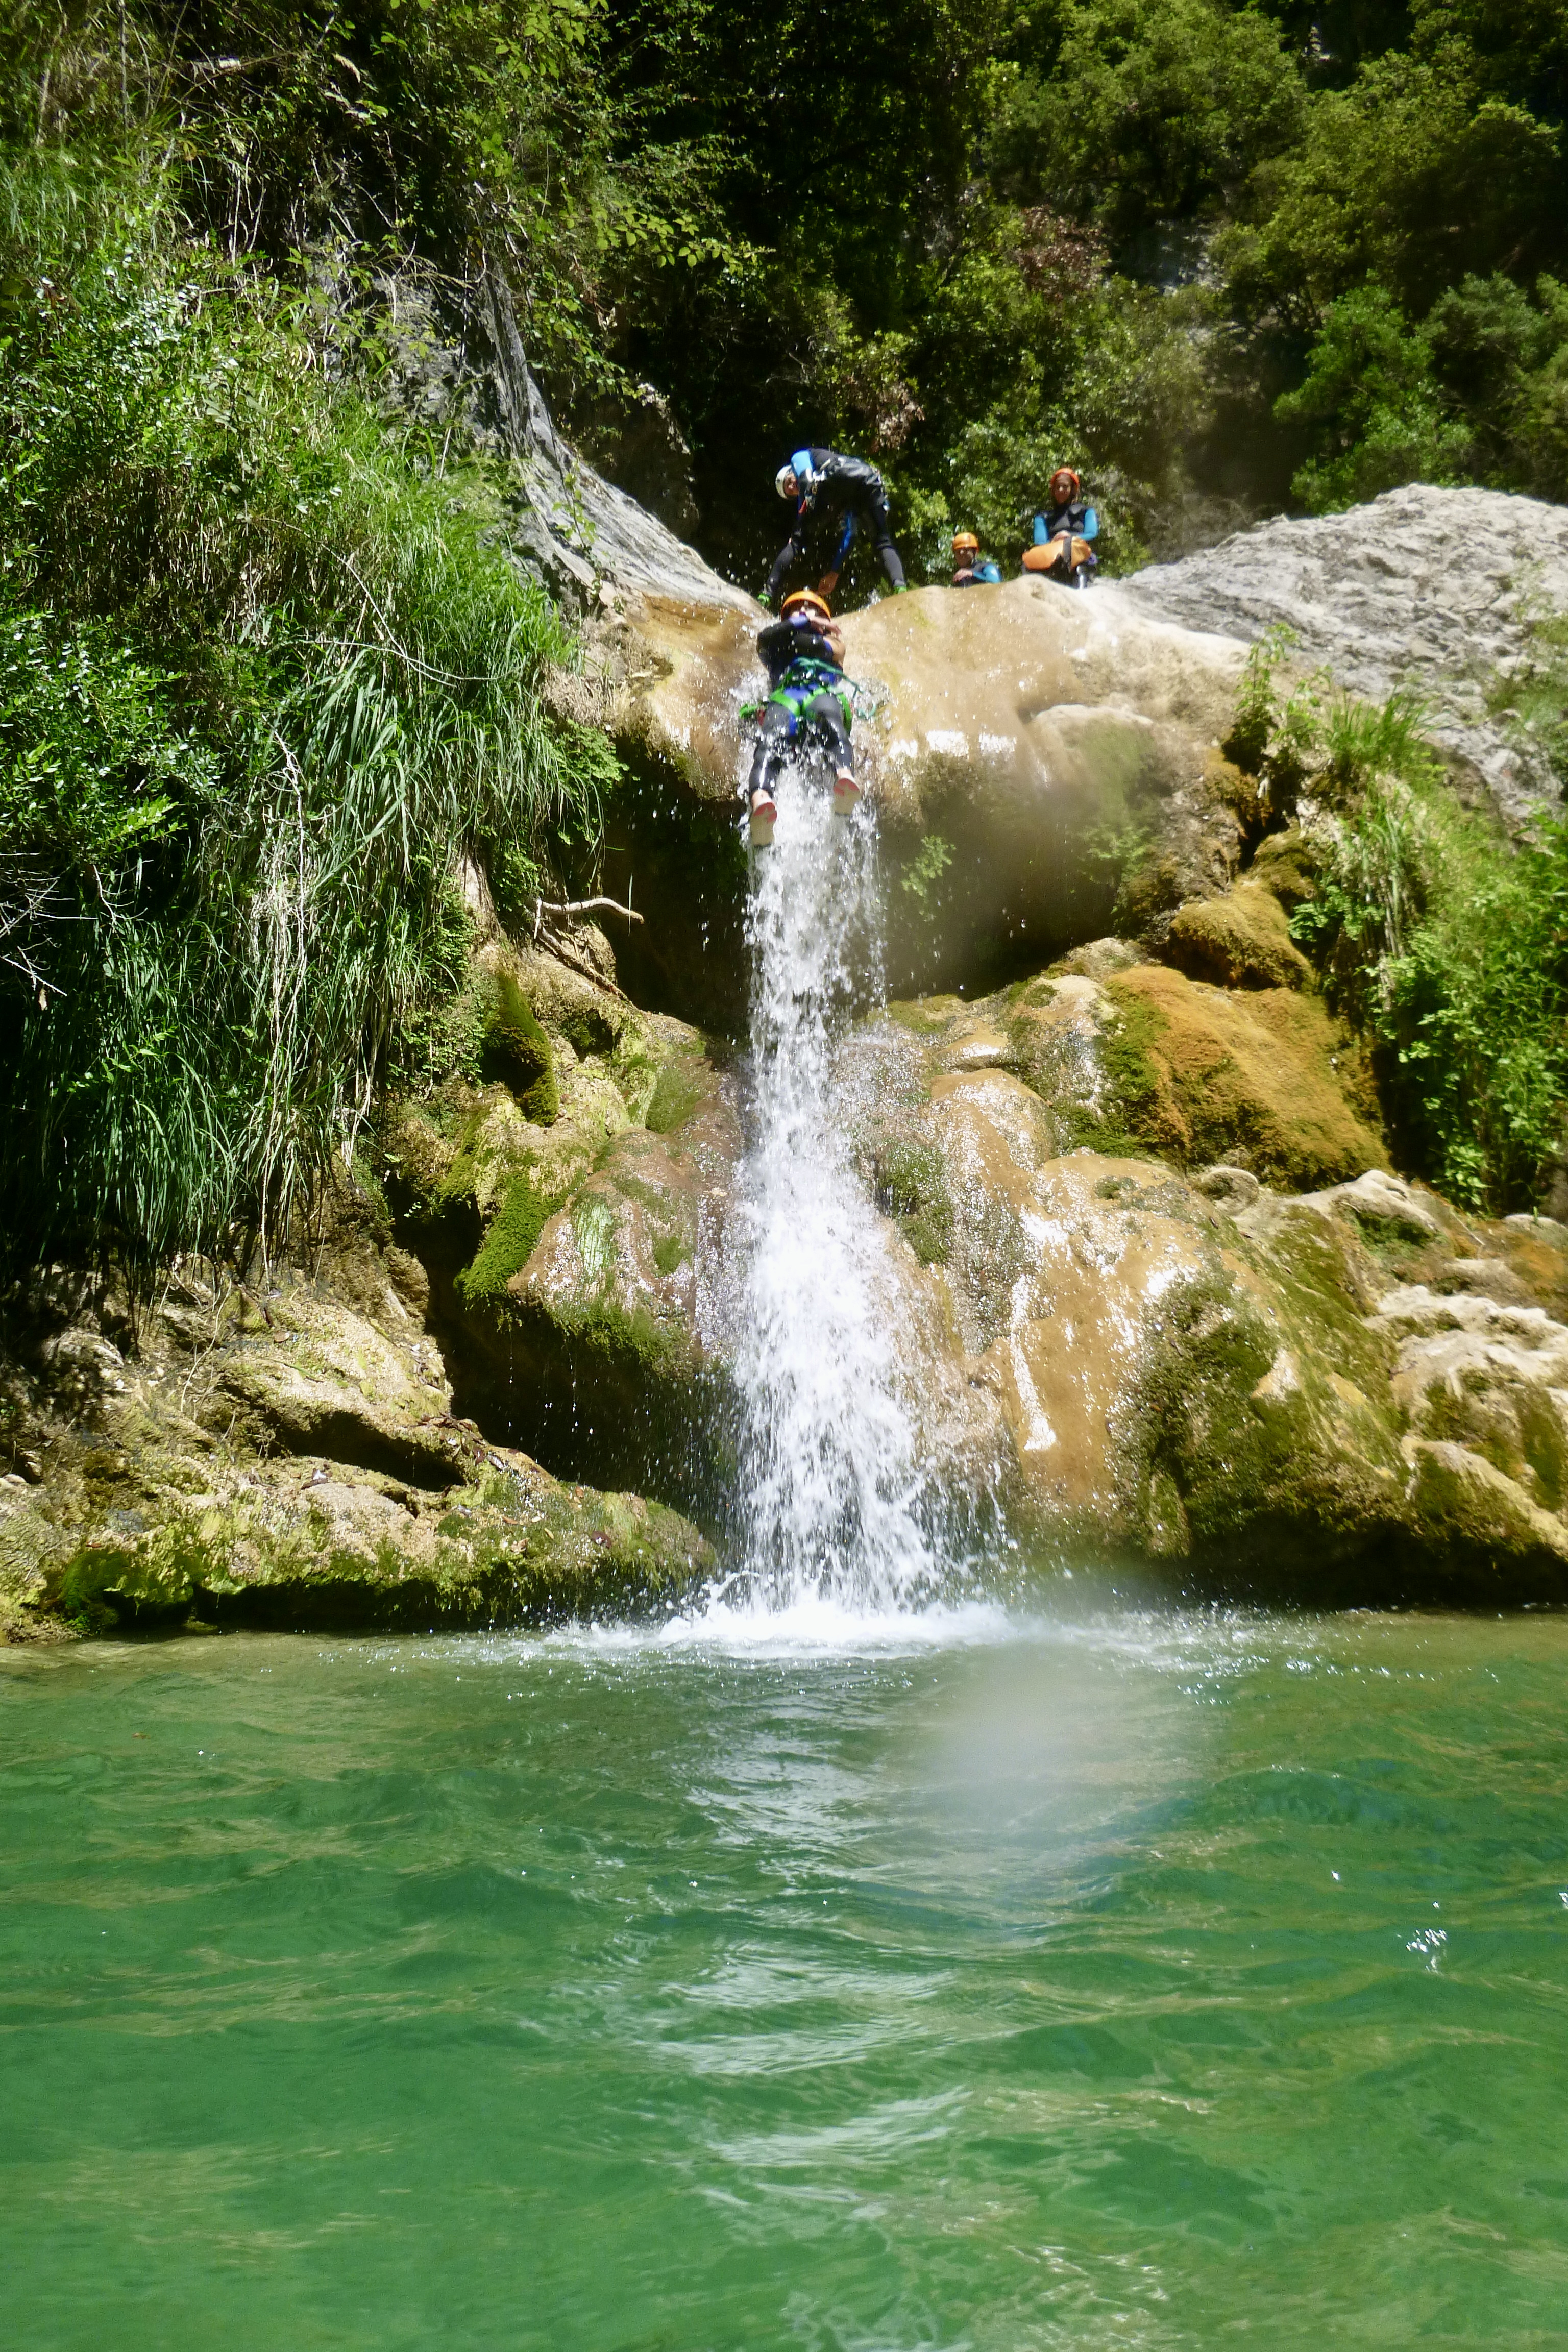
<point x="819" y="481"/>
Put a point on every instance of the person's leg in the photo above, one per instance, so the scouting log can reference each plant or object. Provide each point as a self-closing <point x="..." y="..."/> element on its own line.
<point x="882" y="539"/>
<point x="826" y="712"/>
<point x="774" y="731"/>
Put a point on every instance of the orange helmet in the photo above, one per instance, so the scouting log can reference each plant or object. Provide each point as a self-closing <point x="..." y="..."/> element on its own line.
<point x="1074" y="478"/>
<point x="806" y="600"/>
<point x="966" y="543"/>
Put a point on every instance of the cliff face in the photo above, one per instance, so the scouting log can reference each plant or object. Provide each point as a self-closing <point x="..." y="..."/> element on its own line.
<point x="1162" y="1294"/>
<point x="1430" y="591"/>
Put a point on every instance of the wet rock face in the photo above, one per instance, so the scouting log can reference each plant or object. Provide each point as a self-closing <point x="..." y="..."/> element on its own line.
<point x="1427" y="589"/>
<point x="1028" y="746"/>
<point x="1018" y="741"/>
<point x="1158" y="1297"/>
<point x="563" y="1258"/>
<point x="1158" y="1294"/>
<point x="1235" y="1384"/>
<point x="269" y="1456"/>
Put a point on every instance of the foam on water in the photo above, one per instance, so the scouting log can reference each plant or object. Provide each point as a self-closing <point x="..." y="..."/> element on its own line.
<point x="836" y="1512"/>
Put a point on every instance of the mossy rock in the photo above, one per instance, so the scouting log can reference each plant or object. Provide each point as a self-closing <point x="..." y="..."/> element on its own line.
<point x="909" y="1182"/>
<point x="1287" y="866"/>
<point x="1466" y="1516"/>
<point x="1242" y="940"/>
<point x="1265" y="1081"/>
<point x="509" y="1243"/>
<point x="517" y="1051"/>
<point x="681" y="1089"/>
<point x="1268" y="1443"/>
<point x="510" y="1550"/>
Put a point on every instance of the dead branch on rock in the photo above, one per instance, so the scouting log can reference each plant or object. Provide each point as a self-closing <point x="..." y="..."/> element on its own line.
<point x="581" y="907"/>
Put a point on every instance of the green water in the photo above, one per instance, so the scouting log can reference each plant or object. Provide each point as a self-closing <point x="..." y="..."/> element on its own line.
<point x="1162" y="1982"/>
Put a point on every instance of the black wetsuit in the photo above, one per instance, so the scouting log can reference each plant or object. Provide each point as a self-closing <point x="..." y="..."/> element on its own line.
<point x="806" y="689"/>
<point x="848" y="486"/>
<point x="1076" y="520"/>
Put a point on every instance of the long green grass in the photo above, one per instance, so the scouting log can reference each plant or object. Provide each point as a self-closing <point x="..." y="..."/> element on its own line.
<point x="270" y="679"/>
<point x="1445" y="940"/>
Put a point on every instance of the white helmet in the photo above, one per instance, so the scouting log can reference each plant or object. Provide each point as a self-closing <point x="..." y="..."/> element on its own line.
<point x="786" y="482"/>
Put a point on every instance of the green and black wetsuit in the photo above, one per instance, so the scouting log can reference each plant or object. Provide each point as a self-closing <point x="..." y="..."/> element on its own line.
<point x="807" y="688"/>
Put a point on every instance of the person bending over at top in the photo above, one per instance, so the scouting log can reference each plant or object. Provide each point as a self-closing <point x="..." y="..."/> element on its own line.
<point x="819" y="481"/>
<point x="1063" y="531"/>
<point x="970" y="568"/>
<point x="803" y="654"/>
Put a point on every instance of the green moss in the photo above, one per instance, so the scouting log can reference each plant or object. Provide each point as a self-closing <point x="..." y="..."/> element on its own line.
<point x="911" y="1184"/>
<point x="509" y="1244"/>
<point x="1478" y="1520"/>
<point x="927" y="1015"/>
<point x="590" y="1031"/>
<point x="1288" y="865"/>
<point x="1263" y="1078"/>
<point x="1239" y="941"/>
<point x="461" y="1177"/>
<point x="1125" y="1123"/>
<point x="678" y="1092"/>
<point x="670" y="1251"/>
<point x="593" y="1229"/>
<point x="517" y="1051"/>
<point x="654" y="1351"/>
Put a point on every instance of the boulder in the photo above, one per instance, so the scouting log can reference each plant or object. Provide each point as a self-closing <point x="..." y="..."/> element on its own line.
<point x="138" y="1538"/>
<point x="1431" y="591"/>
<point x="1180" y="1365"/>
<point x="563" y="1259"/>
<point x="265" y="1453"/>
<point x="1241" y="939"/>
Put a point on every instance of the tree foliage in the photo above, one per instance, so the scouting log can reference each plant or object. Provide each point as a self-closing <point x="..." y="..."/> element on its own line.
<point x="964" y="237"/>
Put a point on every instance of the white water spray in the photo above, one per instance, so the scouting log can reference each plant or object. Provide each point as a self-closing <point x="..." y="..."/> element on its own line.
<point x="833" y="1505"/>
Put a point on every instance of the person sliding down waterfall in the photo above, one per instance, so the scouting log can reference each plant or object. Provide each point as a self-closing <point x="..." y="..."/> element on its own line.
<point x="819" y="481"/>
<point x="803" y="654"/>
<point x="1063" y="533"/>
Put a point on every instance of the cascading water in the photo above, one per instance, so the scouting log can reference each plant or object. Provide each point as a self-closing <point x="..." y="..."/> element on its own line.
<point x="832" y="1499"/>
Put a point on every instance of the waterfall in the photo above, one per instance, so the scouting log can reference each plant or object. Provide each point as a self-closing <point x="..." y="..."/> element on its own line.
<point x="832" y="1502"/>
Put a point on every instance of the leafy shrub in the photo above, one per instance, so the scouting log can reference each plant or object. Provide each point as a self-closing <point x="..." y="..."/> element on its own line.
<point x="1444" y="943"/>
<point x="1380" y="415"/>
<point x="265" y="680"/>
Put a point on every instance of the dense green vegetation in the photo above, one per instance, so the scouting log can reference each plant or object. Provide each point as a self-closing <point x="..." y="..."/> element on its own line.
<point x="261" y="675"/>
<point x="1445" y="942"/>
<point x="1221" y="254"/>
<point x="265" y="671"/>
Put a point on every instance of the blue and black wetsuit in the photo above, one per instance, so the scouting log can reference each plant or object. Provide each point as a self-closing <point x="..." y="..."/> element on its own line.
<point x="1076" y="520"/>
<point x="806" y="687"/>
<point x="847" y="487"/>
